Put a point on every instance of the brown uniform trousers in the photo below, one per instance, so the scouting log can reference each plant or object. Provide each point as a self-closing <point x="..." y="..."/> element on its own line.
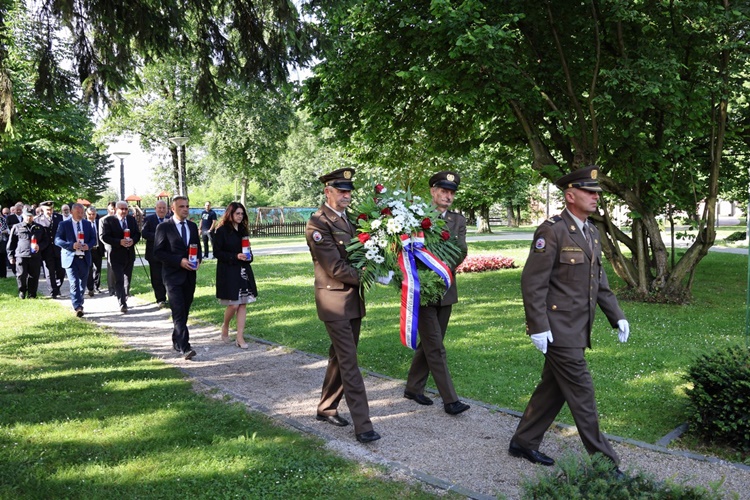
<point x="430" y="355"/>
<point x="562" y="283"/>
<point x="341" y="307"/>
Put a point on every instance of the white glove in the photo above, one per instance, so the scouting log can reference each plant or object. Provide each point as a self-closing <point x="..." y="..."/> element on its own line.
<point x="384" y="280"/>
<point x="540" y="340"/>
<point x="623" y="330"/>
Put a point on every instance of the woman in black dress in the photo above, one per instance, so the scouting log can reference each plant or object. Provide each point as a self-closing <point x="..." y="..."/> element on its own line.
<point x="235" y="282"/>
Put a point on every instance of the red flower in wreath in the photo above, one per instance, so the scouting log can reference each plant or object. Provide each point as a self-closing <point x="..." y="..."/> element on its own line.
<point x="379" y="188"/>
<point x="386" y="211"/>
<point x="362" y="217"/>
<point x="363" y="237"/>
<point x="445" y="235"/>
<point x="426" y="223"/>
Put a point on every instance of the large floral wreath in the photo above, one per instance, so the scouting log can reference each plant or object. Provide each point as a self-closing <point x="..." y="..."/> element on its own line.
<point x="403" y="238"/>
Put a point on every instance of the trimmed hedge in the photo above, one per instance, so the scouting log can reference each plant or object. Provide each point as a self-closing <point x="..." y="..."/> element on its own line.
<point x="720" y="397"/>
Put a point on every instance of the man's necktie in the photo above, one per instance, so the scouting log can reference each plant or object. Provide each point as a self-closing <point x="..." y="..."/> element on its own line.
<point x="587" y="235"/>
<point x="184" y="234"/>
<point x="79" y="228"/>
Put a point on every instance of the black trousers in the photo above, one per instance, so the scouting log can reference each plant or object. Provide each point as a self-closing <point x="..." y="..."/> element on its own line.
<point x="180" y="300"/>
<point x="27" y="275"/>
<point x="206" y="237"/>
<point x="157" y="283"/>
<point x="121" y="274"/>
<point x="95" y="271"/>
<point x="50" y="262"/>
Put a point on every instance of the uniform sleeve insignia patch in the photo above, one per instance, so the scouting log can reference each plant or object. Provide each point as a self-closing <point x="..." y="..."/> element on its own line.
<point x="317" y="237"/>
<point x="540" y="244"/>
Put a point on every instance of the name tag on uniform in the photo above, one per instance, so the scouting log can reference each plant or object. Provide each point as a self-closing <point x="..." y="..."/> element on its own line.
<point x="571" y="249"/>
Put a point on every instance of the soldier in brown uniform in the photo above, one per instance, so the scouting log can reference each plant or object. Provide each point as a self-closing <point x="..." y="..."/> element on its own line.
<point x="562" y="282"/>
<point x="430" y="356"/>
<point x="340" y="305"/>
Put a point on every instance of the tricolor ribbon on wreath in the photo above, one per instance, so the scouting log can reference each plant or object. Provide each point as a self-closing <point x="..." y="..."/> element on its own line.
<point x="413" y="246"/>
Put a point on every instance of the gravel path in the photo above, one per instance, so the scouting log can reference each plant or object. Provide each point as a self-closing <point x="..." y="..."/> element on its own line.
<point x="465" y="453"/>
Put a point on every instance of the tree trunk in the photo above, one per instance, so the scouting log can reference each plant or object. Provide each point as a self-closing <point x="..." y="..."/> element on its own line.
<point x="483" y="222"/>
<point x="175" y="169"/>
<point x="243" y="196"/>
<point x="183" y="169"/>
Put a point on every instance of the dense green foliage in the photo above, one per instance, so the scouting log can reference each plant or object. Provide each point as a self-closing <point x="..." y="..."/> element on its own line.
<point x="653" y="92"/>
<point x="583" y="477"/>
<point x="51" y="153"/>
<point x="720" y="396"/>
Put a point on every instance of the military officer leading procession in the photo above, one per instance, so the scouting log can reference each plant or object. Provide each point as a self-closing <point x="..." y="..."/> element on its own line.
<point x="562" y="283"/>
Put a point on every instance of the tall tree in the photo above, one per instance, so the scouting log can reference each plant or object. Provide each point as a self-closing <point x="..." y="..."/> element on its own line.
<point x="244" y="40"/>
<point x="52" y="153"/>
<point x="642" y="89"/>
<point x="249" y="134"/>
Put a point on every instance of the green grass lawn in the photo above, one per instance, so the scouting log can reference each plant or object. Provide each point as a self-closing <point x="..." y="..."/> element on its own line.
<point x="82" y="416"/>
<point x="640" y="386"/>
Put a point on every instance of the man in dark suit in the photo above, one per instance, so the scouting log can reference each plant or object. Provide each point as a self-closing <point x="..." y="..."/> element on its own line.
<point x="154" y="265"/>
<point x="15" y="216"/>
<point x="121" y="250"/>
<point x="172" y="247"/>
<point x="340" y="305"/>
<point x="110" y="274"/>
<point x="430" y="356"/>
<point x="97" y="253"/>
<point x="76" y="237"/>
<point x="51" y="256"/>
<point x="562" y="282"/>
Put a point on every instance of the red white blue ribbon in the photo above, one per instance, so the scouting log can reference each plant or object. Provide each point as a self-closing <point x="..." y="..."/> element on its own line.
<point x="413" y="248"/>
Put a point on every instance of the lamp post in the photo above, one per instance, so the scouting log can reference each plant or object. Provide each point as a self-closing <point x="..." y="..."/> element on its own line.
<point x="179" y="142"/>
<point x="121" y="155"/>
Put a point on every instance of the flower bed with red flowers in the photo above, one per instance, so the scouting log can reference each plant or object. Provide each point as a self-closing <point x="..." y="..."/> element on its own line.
<point x="479" y="263"/>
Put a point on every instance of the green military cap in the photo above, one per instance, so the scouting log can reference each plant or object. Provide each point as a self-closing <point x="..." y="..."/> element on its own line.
<point x="340" y="179"/>
<point x="584" y="178"/>
<point x="445" y="179"/>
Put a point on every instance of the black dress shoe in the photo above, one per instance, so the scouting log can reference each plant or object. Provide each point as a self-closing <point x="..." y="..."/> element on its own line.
<point x="333" y="420"/>
<point x="123" y="309"/>
<point x="21" y="295"/>
<point x="456" y="407"/>
<point x="419" y="398"/>
<point x="190" y="354"/>
<point x="368" y="436"/>
<point x="533" y="456"/>
<point x="91" y="293"/>
<point x="79" y="312"/>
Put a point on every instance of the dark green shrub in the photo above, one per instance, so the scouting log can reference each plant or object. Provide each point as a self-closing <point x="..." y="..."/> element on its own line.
<point x="720" y="397"/>
<point x="584" y="477"/>
<point x="736" y="236"/>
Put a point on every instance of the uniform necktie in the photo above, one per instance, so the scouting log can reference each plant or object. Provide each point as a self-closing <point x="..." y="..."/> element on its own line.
<point x="124" y="224"/>
<point x="587" y="235"/>
<point x="184" y="234"/>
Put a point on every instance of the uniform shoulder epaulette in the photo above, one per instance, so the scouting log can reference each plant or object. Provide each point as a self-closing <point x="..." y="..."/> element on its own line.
<point x="553" y="219"/>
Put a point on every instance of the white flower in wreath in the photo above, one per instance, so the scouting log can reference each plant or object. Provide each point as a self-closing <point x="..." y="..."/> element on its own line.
<point x="372" y="254"/>
<point x="393" y="226"/>
<point x="374" y="225"/>
<point x="378" y="259"/>
<point x="417" y="209"/>
<point x="369" y="244"/>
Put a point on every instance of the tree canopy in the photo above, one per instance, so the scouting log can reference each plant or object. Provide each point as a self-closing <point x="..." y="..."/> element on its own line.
<point x="643" y="89"/>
